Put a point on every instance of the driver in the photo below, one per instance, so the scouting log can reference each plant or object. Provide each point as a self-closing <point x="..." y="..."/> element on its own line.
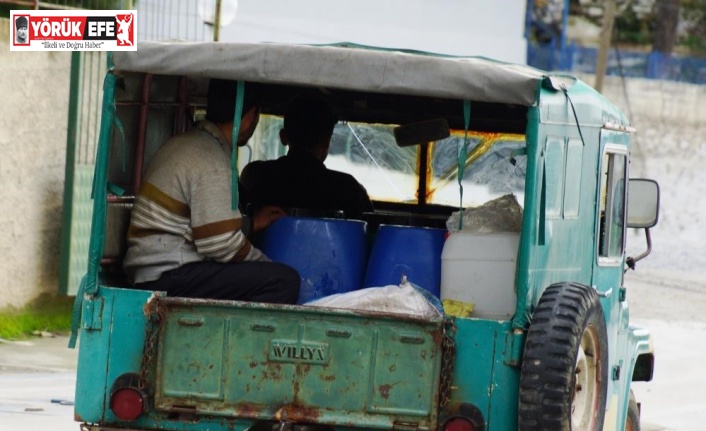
<point x="300" y="179"/>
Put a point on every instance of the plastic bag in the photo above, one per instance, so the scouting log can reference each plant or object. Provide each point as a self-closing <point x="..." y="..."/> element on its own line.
<point x="405" y="298"/>
<point x="456" y="308"/>
<point x="503" y="214"/>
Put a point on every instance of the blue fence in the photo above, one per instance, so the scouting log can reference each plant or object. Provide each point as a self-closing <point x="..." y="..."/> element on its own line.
<point x="652" y="65"/>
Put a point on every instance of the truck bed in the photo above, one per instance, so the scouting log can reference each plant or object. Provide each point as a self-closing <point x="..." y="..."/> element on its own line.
<point x="297" y="363"/>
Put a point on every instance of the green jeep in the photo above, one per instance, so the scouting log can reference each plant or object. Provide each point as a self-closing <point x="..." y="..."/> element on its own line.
<point x="437" y="141"/>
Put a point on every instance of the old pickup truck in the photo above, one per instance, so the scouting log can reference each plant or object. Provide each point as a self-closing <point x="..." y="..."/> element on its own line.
<point x="549" y="344"/>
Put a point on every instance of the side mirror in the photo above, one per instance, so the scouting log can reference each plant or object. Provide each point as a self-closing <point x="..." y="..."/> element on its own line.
<point x="421" y="132"/>
<point x="643" y="203"/>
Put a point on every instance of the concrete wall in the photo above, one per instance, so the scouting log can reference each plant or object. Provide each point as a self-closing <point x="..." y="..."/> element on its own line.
<point x="34" y="94"/>
<point x="669" y="116"/>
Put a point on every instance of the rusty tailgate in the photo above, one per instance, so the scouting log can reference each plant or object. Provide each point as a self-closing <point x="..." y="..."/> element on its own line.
<point x="297" y="363"/>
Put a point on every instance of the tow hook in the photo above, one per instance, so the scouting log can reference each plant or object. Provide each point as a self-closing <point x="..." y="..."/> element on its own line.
<point x="284" y="424"/>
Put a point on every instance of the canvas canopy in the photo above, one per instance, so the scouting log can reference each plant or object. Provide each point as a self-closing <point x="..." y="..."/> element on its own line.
<point x="351" y="68"/>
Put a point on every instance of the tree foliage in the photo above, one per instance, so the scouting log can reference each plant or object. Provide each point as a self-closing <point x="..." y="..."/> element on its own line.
<point x="693" y="19"/>
<point x="630" y="28"/>
<point x="666" y="19"/>
<point x="662" y="25"/>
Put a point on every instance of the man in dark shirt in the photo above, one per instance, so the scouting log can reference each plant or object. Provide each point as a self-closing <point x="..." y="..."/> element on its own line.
<point x="300" y="179"/>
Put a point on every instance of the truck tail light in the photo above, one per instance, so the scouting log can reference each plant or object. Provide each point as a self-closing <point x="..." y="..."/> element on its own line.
<point x="127" y="401"/>
<point x="127" y="404"/>
<point x="459" y="424"/>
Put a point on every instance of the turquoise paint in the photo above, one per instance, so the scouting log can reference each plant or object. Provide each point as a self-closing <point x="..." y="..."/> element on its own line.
<point x="298" y="359"/>
<point x="114" y="348"/>
<point x="117" y="349"/>
<point x="92" y="313"/>
<point x="562" y="254"/>
<point x="529" y="221"/>
<point x="553" y="249"/>
<point x="632" y="342"/>
<point x="481" y="375"/>
<point x="608" y="276"/>
<point x="89" y="284"/>
<point x="91" y="378"/>
<point x="100" y="181"/>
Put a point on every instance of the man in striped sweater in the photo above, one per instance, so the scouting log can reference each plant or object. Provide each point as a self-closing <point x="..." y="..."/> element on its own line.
<point x="184" y="238"/>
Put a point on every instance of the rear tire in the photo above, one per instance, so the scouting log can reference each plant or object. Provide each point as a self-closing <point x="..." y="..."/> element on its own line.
<point x="564" y="375"/>
<point x="632" y="422"/>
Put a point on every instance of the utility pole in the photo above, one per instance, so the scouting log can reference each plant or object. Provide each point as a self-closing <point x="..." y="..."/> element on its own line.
<point x="217" y="22"/>
<point x="606" y="36"/>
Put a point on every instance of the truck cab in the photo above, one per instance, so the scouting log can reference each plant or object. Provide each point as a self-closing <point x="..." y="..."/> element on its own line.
<point x="496" y="187"/>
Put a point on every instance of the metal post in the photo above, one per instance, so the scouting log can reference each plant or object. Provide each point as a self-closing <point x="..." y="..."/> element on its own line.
<point x="71" y="141"/>
<point x="562" y="44"/>
<point x="217" y="21"/>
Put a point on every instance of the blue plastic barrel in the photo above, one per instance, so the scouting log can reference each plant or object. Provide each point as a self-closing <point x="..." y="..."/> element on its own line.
<point x="414" y="252"/>
<point x="328" y="253"/>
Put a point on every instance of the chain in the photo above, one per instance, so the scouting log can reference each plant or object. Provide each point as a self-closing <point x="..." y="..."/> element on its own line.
<point x="154" y="313"/>
<point x="447" y="362"/>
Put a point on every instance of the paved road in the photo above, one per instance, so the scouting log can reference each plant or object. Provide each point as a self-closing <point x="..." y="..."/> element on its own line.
<point x="26" y="401"/>
<point x="34" y="373"/>
<point x="37" y="380"/>
<point x="672" y="305"/>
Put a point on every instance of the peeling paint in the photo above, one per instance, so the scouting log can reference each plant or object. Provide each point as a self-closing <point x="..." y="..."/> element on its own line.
<point x="385" y="391"/>
<point x="297" y="413"/>
<point x="151" y="305"/>
<point x="307" y="390"/>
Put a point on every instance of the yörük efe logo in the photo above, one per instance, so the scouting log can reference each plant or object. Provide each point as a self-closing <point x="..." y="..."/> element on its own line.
<point x="74" y="30"/>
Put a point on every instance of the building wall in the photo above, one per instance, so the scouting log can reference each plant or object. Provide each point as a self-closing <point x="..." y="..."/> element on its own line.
<point x="34" y="94"/>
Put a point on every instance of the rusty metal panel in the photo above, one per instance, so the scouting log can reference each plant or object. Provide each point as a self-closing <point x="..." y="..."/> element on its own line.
<point x="302" y="364"/>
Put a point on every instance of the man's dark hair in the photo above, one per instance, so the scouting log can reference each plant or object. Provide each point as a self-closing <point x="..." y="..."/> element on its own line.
<point x="309" y="120"/>
<point x="221" y="99"/>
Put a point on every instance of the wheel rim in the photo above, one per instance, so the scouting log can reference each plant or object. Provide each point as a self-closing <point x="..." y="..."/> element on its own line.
<point x="586" y="388"/>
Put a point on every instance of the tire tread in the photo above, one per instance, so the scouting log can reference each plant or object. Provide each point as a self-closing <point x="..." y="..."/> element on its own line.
<point x="558" y="322"/>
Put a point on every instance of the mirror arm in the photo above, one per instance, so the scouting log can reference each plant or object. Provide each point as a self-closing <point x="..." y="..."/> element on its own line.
<point x="631" y="261"/>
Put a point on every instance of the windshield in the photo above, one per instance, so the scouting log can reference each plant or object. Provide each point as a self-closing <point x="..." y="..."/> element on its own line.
<point x="496" y="163"/>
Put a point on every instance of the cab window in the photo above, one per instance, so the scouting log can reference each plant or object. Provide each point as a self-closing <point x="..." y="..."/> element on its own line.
<point x="496" y="164"/>
<point x="612" y="205"/>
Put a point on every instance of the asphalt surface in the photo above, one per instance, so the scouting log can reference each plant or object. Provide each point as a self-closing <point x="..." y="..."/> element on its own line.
<point x="672" y="305"/>
<point x="37" y="381"/>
